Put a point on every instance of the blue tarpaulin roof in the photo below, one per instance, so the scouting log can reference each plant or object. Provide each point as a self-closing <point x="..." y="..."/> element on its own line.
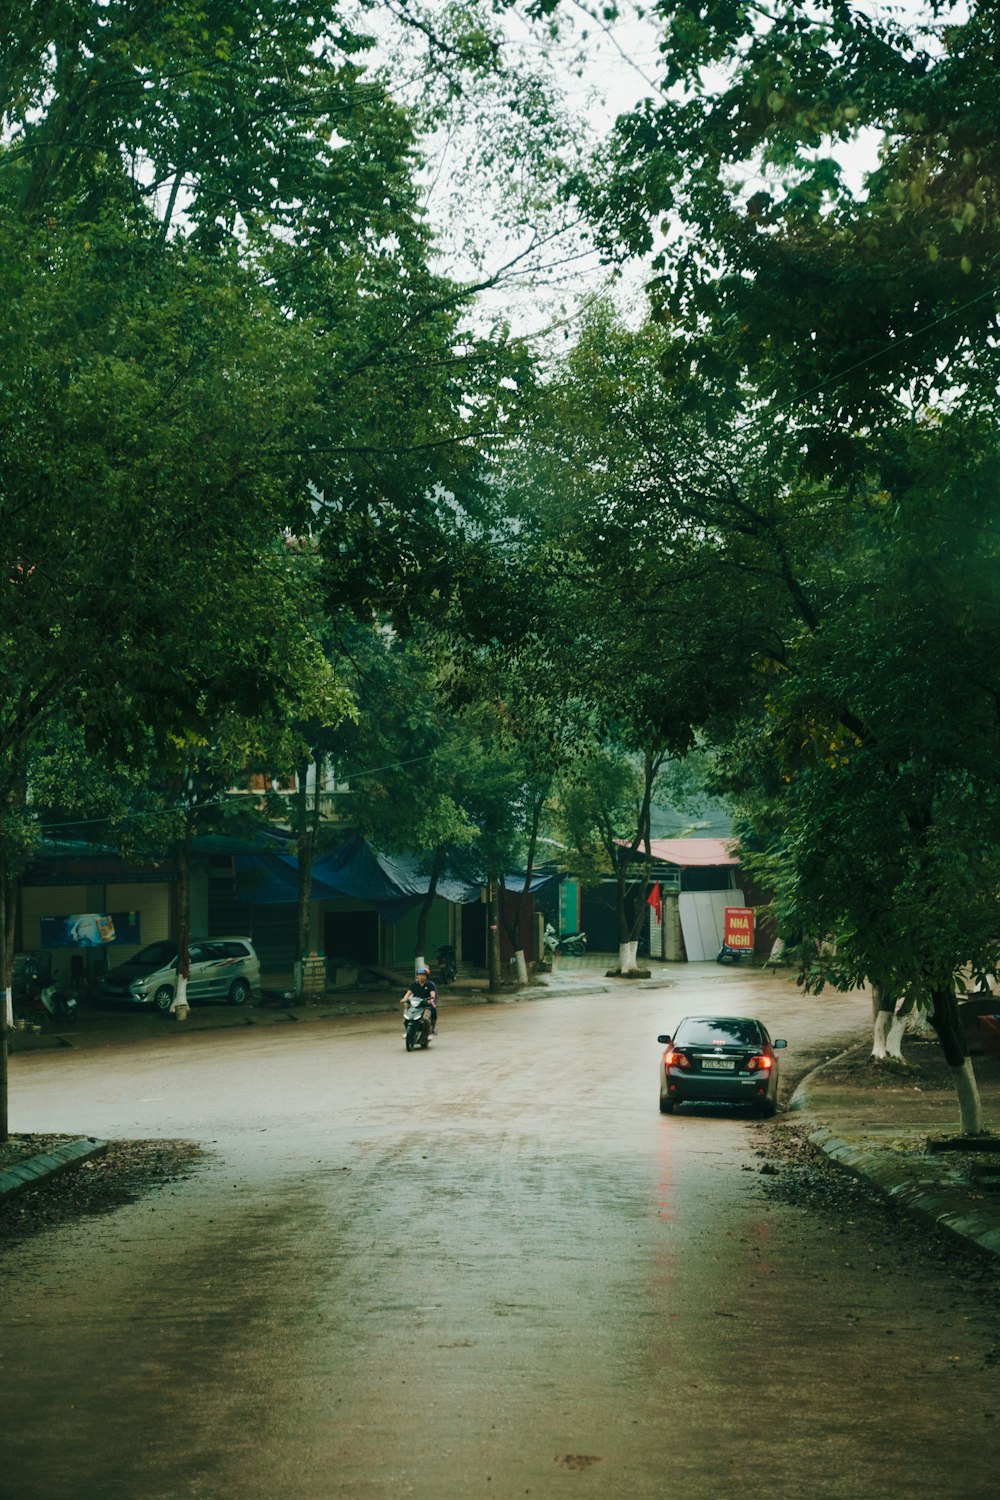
<point x="267" y="871"/>
<point x="516" y="883"/>
<point x="391" y="884"/>
<point x="374" y="876"/>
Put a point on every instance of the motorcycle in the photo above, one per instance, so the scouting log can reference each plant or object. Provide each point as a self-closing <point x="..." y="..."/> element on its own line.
<point x="60" y="1004"/>
<point x="418" y="1018"/>
<point x="572" y="942"/>
<point x="447" y="965"/>
<point x="46" y="1003"/>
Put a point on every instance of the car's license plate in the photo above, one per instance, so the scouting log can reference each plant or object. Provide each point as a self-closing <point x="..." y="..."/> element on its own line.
<point x="718" y="1064"/>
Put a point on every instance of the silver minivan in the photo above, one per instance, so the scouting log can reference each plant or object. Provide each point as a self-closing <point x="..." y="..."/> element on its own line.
<point x="223" y="968"/>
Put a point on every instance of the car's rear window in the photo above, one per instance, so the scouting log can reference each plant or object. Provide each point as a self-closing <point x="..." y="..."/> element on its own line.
<point x="727" y="1031"/>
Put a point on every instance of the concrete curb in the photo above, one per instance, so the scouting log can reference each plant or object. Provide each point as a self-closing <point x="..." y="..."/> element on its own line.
<point x="925" y="1199"/>
<point x="800" y="1094"/>
<point x="930" y="1202"/>
<point x="35" y="1169"/>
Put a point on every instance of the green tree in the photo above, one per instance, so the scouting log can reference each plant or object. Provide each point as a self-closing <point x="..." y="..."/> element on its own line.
<point x="873" y="781"/>
<point x="605" y="815"/>
<point x="840" y="287"/>
<point x="219" y="326"/>
<point x="133" y="525"/>
<point x="405" y="756"/>
<point x="843" y="336"/>
<point x="605" y="576"/>
<point x="451" y="765"/>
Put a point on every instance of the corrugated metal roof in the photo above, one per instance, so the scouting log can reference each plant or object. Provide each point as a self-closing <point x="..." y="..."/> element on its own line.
<point x="691" y="853"/>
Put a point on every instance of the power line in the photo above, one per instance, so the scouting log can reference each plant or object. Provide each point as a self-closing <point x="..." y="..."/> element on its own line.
<point x="135" y="814"/>
<point x="889" y="348"/>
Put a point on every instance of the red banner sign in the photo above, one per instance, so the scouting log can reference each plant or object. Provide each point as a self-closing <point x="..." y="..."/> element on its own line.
<point x="739" y="928"/>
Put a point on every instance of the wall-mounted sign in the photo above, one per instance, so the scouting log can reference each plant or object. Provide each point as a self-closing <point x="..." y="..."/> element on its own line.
<point x="91" y="929"/>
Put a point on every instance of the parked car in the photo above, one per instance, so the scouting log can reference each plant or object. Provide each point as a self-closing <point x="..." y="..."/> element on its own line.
<point x="720" y="1059"/>
<point x="224" y="968"/>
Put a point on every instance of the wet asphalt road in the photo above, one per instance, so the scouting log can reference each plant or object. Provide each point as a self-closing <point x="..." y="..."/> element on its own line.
<point x="492" y="1270"/>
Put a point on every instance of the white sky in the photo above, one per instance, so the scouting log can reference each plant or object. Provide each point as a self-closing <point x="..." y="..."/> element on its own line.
<point x="603" y="69"/>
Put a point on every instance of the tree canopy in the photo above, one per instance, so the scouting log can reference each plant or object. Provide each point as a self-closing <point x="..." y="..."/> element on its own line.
<point x="244" y="390"/>
<point x="829" y="341"/>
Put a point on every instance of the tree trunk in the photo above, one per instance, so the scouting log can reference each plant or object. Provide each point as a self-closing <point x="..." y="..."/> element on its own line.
<point x="777" y="953"/>
<point x="970" y="1108"/>
<point x="437" y="865"/>
<point x="179" y="1004"/>
<point x="514" y="927"/>
<point x="15" y="796"/>
<point x="628" y="956"/>
<point x="629" y="928"/>
<point x="888" y="1028"/>
<point x="894" y="1039"/>
<point x="948" y="1024"/>
<point x="889" y="1025"/>
<point x="918" y="1024"/>
<point x="305" y="849"/>
<point x="493" y="939"/>
<point x="6" y="972"/>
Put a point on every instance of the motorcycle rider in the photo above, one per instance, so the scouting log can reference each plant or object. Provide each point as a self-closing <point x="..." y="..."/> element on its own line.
<point x="424" y="988"/>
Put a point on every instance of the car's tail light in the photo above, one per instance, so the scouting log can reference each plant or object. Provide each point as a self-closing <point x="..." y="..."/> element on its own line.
<point x="760" y="1063"/>
<point x="674" y="1059"/>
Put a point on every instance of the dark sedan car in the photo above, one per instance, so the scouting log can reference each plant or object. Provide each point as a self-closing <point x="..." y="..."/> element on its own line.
<point x="720" y="1059"/>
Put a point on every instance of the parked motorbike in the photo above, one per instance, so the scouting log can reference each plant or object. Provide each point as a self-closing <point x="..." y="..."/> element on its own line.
<point x="572" y="942"/>
<point x="41" y="1004"/>
<point x="418" y="1018"/>
<point x="60" y="1004"/>
<point x="447" y="964"/>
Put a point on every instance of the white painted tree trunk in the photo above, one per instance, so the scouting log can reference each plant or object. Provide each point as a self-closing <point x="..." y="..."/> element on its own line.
<point x="521" y="966"/>
<point x="918" y="1024"/>
<point x="179" y="1004"/>
<point x="8" y="1007"/>
<point x="628" y="956"/>
<point x="969" y="1105"/>
<point x="889" y="1028"/>
<point x="894" y="1038"/>
<point x="883" y="1020"/>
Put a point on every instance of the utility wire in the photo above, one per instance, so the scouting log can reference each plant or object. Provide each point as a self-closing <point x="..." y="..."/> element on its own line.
<point x="137" y="813"/>
<point x="860" y="364"/>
